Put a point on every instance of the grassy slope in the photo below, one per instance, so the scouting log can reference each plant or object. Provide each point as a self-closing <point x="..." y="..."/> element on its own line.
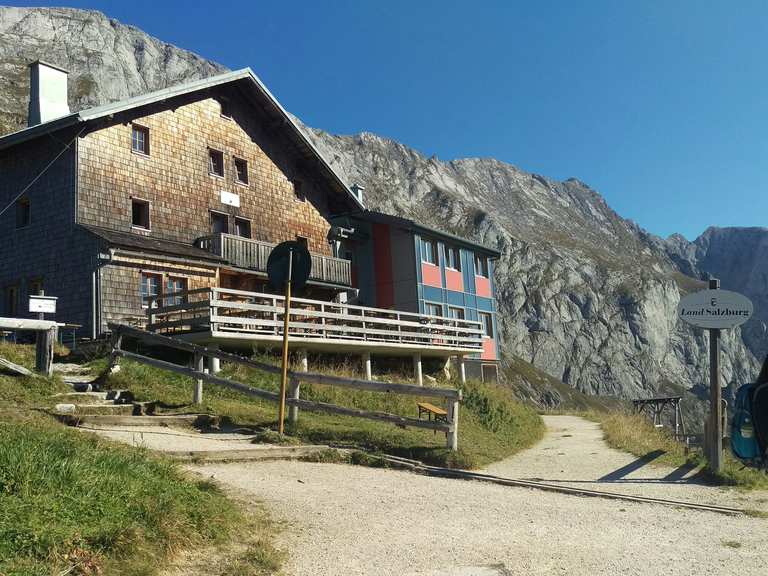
<point x="636" y="434"/>
<point x="493" y="424"/>
<point x="70" y="499"/>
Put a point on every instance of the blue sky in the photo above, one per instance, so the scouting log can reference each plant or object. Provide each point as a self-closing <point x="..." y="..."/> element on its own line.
<point x="660" y="106"/>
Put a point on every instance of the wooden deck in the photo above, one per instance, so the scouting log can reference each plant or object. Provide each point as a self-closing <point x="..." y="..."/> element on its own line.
<point x="253" y="254"/>
<point x="248" y="318"/>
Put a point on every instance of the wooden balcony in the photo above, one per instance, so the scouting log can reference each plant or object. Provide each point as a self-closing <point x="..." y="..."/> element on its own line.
<point x="244" y="318"/>
<point x="253" y="254"/>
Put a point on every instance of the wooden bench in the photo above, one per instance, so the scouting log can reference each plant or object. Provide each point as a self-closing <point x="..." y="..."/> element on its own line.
<point x="433" y="412"/>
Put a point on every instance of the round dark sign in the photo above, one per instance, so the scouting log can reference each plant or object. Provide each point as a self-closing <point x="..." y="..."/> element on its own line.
<point x="277" y="265"/>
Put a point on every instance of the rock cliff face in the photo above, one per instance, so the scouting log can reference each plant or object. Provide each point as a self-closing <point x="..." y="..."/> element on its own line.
<point x="584" y="295"/>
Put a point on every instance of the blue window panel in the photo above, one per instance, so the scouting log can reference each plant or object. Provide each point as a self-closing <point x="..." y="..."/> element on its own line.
<point x="468" y="269"/>
<point x="471" y="314"/>
<point x="484" y="304"/>
<point x="470" y="300"/>
<point x="432" y="294"/>
<point x="417" y="249"/>
<point x="454" y="298"/>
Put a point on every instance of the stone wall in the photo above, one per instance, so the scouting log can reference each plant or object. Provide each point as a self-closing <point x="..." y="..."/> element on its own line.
<point x="174" y="177"/>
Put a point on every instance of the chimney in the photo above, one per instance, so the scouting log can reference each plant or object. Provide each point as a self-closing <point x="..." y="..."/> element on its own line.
<point x="47" y="93"/>
<point x="357" y="190"/>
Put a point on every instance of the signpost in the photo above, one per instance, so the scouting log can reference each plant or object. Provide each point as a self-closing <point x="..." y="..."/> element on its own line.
<point x="715" y="310"/>
<point x="288" y="264"/>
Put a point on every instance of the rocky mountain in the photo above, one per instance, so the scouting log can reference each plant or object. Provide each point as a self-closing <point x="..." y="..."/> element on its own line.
<point x="584" y="295"/>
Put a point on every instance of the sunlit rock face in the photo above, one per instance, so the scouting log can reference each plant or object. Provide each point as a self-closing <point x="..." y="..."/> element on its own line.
<point x="584" y="295"/>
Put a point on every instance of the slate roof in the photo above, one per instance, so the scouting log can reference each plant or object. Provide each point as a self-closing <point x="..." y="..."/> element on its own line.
<point x="151" y="245"/>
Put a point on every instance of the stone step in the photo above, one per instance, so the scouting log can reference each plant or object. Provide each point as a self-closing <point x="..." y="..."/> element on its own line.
<point x="166" y="420"/>
<point x="94" y="408"/>
<point x="260" y="452"/>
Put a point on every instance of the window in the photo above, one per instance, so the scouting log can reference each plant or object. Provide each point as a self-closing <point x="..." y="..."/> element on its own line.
<point x="23" y="212"/>
<point x="216" y="162"/>
<point x="431" y="309"/>
<point x="150" y="286"/>
<point x="140" y="139"/>
<point x="11" y="301"/>
<point x="219" y="223"/>
<point x="298" y="191"/>
<point x="303" y="240"/>
<point x="429" y="251"/>
<point x="36" y="287"/>
<point x="487" y="324"/>
<point x="452" y="257"/>
<point x="225" y="108"/>
<point x="243" y="227"/>
<point x="175" y="285"/>
<point x="481" y="265"/>
<point x="456" y="313"/>
<point x="140" y="213"/>
<point x="241" y="171"/>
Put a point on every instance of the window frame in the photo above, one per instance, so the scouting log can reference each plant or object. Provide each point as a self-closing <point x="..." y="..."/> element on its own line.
<point x="450" y="249"/>
<point x="159" y="277"/>
<point x="225" y="108"/>
<point x="148" y="205"/>
<point x="235" y="160"/>
<point x="432" y="251"/>
<point x="215" y="151"/>
<point x="168" y="297"/>
<point x="299" y="194"/>
<point x="26" y="203"/>
<point x="250" y="227"/>
<point x="438" y="305"/>
<point x="488" y="331"/>
<point x="141" y="129"/>
<point x="482" y="266"/>
<point x="11" y="299"/>
<point x="459" y="309"/>
<point x="36" y="282"/>
<point x="218" y="213"/>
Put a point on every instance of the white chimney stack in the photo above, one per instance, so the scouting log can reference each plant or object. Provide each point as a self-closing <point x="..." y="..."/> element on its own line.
<point x="47" y="93"/>
<point x="357" y="190"/>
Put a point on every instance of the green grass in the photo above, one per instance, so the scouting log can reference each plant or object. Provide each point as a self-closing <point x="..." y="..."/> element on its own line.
<point x="492" y="423"/>
<point x="72" y="503"/>
<point x="635" y="434"/>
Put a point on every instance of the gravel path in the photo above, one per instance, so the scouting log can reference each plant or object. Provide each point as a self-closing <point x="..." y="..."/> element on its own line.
<point x="343" y="520"/>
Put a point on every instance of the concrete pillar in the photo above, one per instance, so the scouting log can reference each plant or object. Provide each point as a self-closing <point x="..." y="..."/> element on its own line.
<point x="303" y="360"/>
<point x="452" y="439"/>
<point x="367" y="366"/>
<point x="215" y="362"/>
<point x="417" y="369"/>
<point x="293" y="392"/>
<point x="198" y="363"/>
<point x="462" y="370"/>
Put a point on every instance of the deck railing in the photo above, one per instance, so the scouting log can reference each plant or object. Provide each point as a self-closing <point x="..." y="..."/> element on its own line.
<point x="253" y="254"/>
<point x="251" y="314"/>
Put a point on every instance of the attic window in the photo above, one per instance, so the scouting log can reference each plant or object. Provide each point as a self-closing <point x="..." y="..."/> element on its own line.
<point x="225" y="108"/>
<point x="140" y="139"/>
<point x="140" y="213"/>
<point x="216" y="162"/>
<point x="298" y="191"/>
<point x="23" y="213"/>
<point x="241" y="170"/>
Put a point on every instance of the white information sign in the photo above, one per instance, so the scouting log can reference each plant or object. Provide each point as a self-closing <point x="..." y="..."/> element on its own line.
<point x="44" y="304"/>
<point x="715" y="309"/>
<point x="230" y="199"/>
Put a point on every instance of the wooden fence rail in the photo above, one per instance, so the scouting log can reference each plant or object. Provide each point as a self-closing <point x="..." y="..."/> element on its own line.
<point x="451" y="396"/>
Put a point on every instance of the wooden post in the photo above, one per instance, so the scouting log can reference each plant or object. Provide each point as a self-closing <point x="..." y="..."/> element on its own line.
<point x="367" y="366"/>
<point x="44" y="350"/>
<point x="198" y="363"/>
<point x="417" y="369"/>
<point x="452" y="440"/>
<point x="715" y="408"/>
<point x="114" y="358"/>
<point x="293" y="392"/>
<point x="286" y="316"/>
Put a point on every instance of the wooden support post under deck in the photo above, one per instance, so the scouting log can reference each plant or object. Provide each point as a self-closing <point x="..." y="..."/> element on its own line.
<point x="215" y="363"/>
<point x="293" y="393"/>
<point x="367" y="366"/>
<point x="462" y="370"/>
<point x="452" y="440"/>
<point x="198" y="363"/>
<point x="44" y="351"/>
<point x="417" y="369"/>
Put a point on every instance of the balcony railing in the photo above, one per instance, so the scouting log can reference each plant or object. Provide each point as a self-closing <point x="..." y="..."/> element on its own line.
<point x="253" y="254"/>
<point x="256" y="316"/>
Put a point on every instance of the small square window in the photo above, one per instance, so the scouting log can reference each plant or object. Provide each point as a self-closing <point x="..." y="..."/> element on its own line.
<point x="452" y="258"/>
<point x="216" y="162"/>
<point x="243" y="227"/>
<point x="433" y="309"/>
<point x="176" y="285"/>
<point x="140" y="139"/>
<point x="140" y="213"/>
<point x="486" y="321"/>
<point x="241" y="170"/>
<point x="219" y="223"/>
<point x="36" y="287"/>
<point x="225" y="108"/>
<point x="150" y="286"/>
<point x="481" y="265"/>
<point x="11" y="301"/>
<point x="428" y="251"/>
<point x="456" y="312"/>
<point x="23" y="212"/>
<point x="298" y="191"/>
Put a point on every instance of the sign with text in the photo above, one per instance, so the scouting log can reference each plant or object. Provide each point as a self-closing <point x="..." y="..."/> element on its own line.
<point x="715" y="309"/>
<point x="42" y="304"/>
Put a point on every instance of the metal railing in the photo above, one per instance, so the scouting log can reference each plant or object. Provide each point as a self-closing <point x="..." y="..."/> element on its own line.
<point x="253" y="254"/>
<point x="254" y="315"/>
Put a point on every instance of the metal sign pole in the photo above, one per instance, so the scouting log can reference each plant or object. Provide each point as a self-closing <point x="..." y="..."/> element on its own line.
<point x="715" y="406"/>
<point x="286" y="315"/>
